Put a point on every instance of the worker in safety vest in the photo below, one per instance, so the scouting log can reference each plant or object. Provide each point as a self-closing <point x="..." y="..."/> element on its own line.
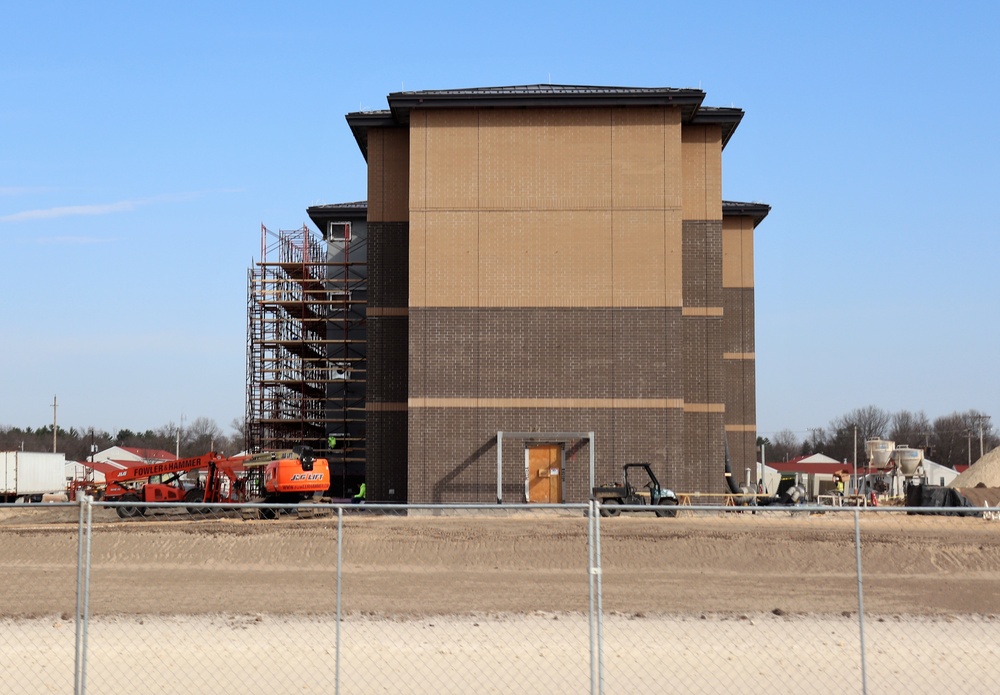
<point x="360" y="497"/>
<point x="840" y="484"/>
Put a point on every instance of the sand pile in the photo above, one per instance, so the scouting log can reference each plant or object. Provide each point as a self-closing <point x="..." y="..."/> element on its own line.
<point x="986" y="471"/>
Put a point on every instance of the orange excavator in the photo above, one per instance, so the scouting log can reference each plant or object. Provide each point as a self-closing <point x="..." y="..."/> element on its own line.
<point x="276" y="477"/>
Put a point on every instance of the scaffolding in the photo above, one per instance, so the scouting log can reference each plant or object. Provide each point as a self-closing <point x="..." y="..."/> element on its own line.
<point x="306" y="357"/>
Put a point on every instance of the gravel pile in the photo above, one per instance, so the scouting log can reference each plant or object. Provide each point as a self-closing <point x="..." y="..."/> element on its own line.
<point x="986" y="471"/>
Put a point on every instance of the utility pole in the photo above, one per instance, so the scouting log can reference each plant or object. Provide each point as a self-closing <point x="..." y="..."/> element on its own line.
<point x="177" y="451"/>
<point x="857" y="487"/>
<point x="980" y="419"/>
<point x="55" y="427"/>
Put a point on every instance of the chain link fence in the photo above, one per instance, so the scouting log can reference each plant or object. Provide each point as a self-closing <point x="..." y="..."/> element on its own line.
<point x="512" y="599"/>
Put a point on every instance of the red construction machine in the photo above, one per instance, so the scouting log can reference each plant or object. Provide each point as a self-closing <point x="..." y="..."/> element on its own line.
<point x="276" y="477"/>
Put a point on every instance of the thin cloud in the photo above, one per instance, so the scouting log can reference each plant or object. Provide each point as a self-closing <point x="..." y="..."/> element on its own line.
<point x="96" y="209"/>
<point x="22" y="190"/>
<point x="76" y="240"/>
<point x="72" y="211"/>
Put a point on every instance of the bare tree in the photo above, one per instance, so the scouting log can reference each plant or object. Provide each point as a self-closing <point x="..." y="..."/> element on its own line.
<point x="238" y="440"/>
<point x="910" y="429"/>
<point x="815" y="442"/>
<point x="784" y="445"/>
<point x="956" y="437"/>
<point x="203" y="435"/>
<point x="871" y="421"/>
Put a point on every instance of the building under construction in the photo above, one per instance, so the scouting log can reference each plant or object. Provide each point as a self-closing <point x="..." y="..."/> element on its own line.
<point x="557" y="287"/>
<point x="306" y="353"/>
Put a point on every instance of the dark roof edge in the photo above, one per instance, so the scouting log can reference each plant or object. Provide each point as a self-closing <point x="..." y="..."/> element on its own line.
<point x="337" y="212"/>
<point x="756" y="211"/>
<point x="728" y="118"/>
<point x="361" y="121"/>
<point x="359" y="209"/>
<point x="401" y="103"/>
<point x="689" y="100"/>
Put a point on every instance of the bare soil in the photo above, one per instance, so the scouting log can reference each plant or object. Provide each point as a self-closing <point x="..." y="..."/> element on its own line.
<point x="443" y="565"/>
<point x="706" y="602"/>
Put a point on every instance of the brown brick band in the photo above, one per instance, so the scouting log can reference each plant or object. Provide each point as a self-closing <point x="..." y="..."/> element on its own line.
<point x="538" y="353"/>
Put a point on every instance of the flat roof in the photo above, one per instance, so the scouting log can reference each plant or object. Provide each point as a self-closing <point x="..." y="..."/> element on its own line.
<point x="543" y="95"/>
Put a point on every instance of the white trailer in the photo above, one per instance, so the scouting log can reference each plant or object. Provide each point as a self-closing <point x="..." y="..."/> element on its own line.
<point x="27" y="475"/>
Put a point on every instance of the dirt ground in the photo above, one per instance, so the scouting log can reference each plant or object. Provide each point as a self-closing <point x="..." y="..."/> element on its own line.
<point x="473" y="563"/>
<point x="439" y="594"/>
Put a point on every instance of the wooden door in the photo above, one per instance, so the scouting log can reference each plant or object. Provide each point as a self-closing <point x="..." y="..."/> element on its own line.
<point x="544" y="468"/>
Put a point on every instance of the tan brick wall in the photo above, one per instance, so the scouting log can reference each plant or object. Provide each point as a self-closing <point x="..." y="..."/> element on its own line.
<point x="452" y="160"/>
<point x="569" y="207"/>
<point x="737" y="252"/>
<point x="545" y="258"/>
<point x="418" y="161"/>
<point x="702" y="180"/>
<point x="645" y="158"/>
<point x="418" y="258"/>
<point x="451" y="262"/>
<point x="647" y="258"/>
<point x="388" y="174"/>
<point x="545" y="159"/>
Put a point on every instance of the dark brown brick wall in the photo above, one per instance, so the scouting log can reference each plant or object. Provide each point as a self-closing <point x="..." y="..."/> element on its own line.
<point x="704" y="448"/>
<point x="388" y="264"/>
<point x="740" y="374"/>
<point x="646" y="354"/>
<point x="386" y="465"/>
<point x="702" y="263"/>
<point x="545" y="353"/>
<point x="737" y="408"/>
<point x="703" y="376"/>
<point x="739" y="319"/>
<point x="387" y="378"/>
<point x="541" y="353"/>
<point x="387" y="355"/>
<point x="457" y="460"/>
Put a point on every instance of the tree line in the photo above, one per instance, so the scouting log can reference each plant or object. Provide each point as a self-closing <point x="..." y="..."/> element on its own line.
<point x="200" y="436"/>
<point x="949" y="440"/>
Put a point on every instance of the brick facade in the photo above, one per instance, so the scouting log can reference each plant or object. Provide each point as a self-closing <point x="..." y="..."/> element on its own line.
<point x="557" y="268"/>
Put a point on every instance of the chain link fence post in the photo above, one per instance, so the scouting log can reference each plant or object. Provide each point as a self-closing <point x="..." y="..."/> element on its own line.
<point x="597" y="572"/>
<point x="591" y="618"/>
<point x="861" y="599"/>
<point x="340" y="572"/>
<point x="82" y="594"/>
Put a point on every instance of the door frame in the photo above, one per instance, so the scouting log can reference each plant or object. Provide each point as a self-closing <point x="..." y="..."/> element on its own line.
<point x="565" y="438"/>
<point x="561" y="447"/>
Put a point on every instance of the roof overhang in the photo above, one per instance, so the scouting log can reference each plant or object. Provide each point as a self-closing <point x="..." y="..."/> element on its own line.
<point x="337" y="212"/>
<point x="755" y="211"/>
<point x="540" y="96"/>
<point x="361" y="121"/>
<point x="727" y="118"/>
<point x="401" y="104"/>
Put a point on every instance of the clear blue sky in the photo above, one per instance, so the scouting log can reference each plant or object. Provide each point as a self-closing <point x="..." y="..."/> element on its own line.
<point x="142" y="145"/>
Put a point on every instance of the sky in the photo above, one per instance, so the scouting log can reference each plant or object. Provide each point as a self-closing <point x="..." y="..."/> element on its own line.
<point x="142" y="145"/>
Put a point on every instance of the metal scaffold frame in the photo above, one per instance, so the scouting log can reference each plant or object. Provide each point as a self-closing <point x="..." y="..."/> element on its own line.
<point x="306" y="357"/>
